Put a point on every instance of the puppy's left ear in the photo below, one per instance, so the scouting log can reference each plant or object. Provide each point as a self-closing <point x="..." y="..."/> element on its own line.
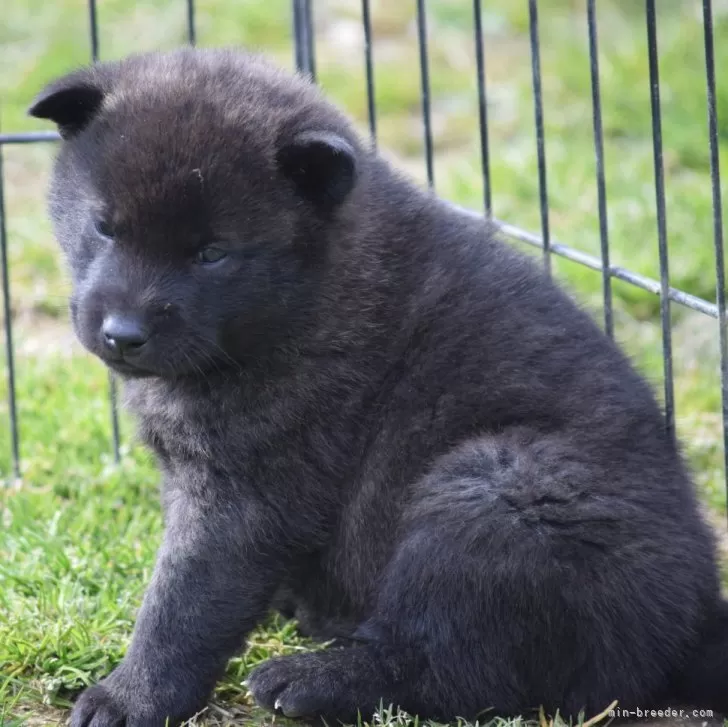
<point x="70" y="102"/>
<point x="322" y="165"/>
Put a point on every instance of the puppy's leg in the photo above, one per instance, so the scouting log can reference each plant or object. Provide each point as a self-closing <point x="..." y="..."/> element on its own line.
<point x="527" y="574"/>
<point x="213" y="581"/>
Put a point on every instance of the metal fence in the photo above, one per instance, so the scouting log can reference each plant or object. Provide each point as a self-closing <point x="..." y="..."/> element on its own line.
<point x="305" y="59"/>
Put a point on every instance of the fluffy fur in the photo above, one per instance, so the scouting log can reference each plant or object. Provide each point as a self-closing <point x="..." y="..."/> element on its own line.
<point x="371" y="414"/>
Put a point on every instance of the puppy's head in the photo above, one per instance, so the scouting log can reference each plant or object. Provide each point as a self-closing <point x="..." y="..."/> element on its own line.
<point x="191" y="196"/>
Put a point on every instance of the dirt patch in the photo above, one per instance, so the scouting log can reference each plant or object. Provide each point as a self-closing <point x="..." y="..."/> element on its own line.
<point x="37" y="335"/>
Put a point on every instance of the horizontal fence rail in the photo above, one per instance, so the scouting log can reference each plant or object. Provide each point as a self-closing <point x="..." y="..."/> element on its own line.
<point x="305" y="60"/>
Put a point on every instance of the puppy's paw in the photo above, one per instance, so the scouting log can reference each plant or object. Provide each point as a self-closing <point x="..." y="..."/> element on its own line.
<point x="303" y="686"/>
<point x="96" y="707"/>
<point x="103" y="706"/>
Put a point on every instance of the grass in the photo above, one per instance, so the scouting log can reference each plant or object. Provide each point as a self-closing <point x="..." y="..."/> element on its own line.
<point x="78" y="532"/>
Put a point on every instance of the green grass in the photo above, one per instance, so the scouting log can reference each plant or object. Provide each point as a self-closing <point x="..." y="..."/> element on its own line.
<point x="78" y="533"/>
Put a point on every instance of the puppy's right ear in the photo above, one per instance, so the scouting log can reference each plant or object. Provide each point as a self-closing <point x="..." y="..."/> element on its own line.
<point x="70" y="102"/>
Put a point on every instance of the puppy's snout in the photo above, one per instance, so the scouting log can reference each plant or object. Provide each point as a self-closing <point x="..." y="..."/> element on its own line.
<point x="124" y="335"/>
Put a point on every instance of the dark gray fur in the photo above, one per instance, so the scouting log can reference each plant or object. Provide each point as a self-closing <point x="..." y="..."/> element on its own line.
<point x="372" y="415"/>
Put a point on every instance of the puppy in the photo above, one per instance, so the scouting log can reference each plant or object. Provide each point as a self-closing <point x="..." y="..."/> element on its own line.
<point x="369" y="412"/>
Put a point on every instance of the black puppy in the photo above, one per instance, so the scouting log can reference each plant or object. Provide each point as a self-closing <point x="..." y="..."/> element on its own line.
<point x="369" y="412"/>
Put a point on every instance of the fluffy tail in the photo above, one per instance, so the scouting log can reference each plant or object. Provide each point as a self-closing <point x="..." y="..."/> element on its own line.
<point x="704" y="681"/>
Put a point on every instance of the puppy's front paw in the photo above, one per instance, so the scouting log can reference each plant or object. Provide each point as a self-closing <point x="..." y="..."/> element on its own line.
<point x="304" y="686"/>
<point x="110" y="705"/>
<point x="96" y="707"/>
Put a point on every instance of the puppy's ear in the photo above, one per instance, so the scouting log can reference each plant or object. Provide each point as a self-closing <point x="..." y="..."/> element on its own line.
<point x="70" y="102"/>
<point x="322" y="165"/>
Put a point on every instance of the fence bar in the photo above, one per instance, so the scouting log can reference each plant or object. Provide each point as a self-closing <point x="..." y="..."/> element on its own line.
<point x="308" y="18"/>
<point x="367" y="21"/>
<point x="720" y="296"/>
<point x="28" y="137"/>
<point x="599" y="154"/>
<point x="114" y="404"/>
<point x="94" y="27"/>
<point x="482" y="106"/>
<point x="303" y="37"/>
<point x="7" y="312"/>
<point x="661" y="213"/>
<point x="113" y="394"/>
<point x="425" y="80"/>
<point x="540" y="140"/>
<point x="191" y="34"/>
<point x="595" y="263"/>
<point x="589" y="261"/>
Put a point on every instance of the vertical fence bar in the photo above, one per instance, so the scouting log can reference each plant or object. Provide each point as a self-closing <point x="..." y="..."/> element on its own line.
<point x="540" y="138"/>
<point x="661" y="213"/>
<point x="308" y="19"/>
<point x="94" y="30"/>
<point x="720" y="294"/>
<point x="9" y="351"/>
<point x="425" y="80"/>
<point x="599" y="153"/>
<point x="191" y="34"/>
<point x="482" y="107"/>
<point x="113" y="393"/>
<point x="303" y="37"/>
<point x="368" y="50"/>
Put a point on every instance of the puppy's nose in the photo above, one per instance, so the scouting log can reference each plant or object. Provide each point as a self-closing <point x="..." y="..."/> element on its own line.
<point x="124" y="334"/>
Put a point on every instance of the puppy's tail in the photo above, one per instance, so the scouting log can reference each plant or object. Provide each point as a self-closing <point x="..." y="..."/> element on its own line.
<point x="703" y="682"/>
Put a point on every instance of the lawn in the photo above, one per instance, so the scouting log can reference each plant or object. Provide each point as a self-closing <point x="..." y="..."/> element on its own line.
<point x="78" y="531"/>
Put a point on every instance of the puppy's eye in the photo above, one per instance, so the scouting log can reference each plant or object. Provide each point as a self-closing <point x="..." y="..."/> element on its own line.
<point x="210" y="255"/>
<point x="104" y="228"/>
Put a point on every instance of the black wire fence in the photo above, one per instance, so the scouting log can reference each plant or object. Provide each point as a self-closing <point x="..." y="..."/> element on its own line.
<point x="305" y="60"/>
